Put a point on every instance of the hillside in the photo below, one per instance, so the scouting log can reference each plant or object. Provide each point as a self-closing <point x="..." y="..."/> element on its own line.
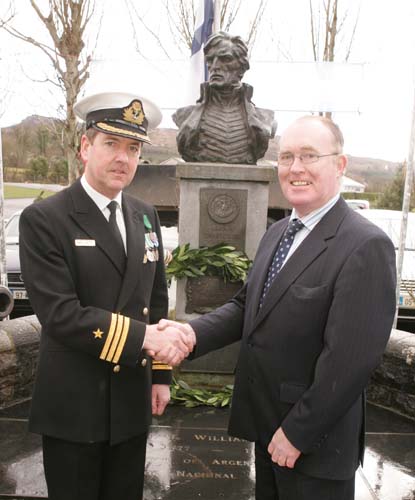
<point x="372" y="171"/>
<point x="38" y="135"/>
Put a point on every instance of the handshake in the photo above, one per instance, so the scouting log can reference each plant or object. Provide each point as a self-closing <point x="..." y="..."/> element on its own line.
<point x="169" y="341"/>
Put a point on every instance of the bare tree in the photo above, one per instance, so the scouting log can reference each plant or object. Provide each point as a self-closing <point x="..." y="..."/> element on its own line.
<point x="65" y="23"/>
<point x="326" y="23"/>
<point x="181" y="17"/>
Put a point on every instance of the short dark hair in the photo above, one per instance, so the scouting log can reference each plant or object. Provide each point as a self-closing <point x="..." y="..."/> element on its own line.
<point x="91" y="133"/>
<point x="240" y="49"/>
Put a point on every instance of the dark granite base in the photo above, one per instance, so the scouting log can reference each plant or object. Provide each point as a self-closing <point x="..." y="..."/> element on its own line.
<point x="190" y="456"/>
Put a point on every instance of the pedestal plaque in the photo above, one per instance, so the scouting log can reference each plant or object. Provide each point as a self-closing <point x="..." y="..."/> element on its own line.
<point x="206" y="293"/>
<point x="223" y="215"/>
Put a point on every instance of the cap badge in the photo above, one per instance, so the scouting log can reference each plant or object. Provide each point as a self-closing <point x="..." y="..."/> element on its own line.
<point x="134" y="113"/>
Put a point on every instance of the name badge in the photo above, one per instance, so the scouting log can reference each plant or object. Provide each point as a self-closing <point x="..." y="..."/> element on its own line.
<point x="84" y="243"/>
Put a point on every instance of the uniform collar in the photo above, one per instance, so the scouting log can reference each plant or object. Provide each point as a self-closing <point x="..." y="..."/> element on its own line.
<point x="99" y="199"/>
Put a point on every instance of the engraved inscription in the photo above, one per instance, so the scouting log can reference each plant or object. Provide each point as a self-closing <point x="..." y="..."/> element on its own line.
<point x="199" y="463"/>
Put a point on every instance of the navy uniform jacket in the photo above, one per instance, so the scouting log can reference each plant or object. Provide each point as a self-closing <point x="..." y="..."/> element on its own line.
<point x="307" y="354"/>
<point x="93" y="380"/>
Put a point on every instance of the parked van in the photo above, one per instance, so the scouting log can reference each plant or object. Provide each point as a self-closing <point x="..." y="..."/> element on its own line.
<point x="390" y="222"/>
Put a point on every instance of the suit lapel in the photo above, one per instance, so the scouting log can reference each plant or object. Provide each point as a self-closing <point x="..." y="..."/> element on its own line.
<point x="265" y="259"/>
<point x="88" y="216"/>
<point x="135" y="250"/>
<point x="305" y="254"/>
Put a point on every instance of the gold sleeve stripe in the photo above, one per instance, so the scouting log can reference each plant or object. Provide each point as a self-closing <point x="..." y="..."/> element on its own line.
<point x="117" y="336"/>
<point x="160" y="364"/>
<point x="162" y="367"/>
<point x="110" y="335"/>
<point x="124" y="336"/>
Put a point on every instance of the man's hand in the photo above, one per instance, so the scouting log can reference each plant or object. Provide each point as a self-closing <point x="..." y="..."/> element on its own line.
<point x="183" y="327"/>
<point x="282" y="451"/>
<point x="160" y="396"/>
<point x="169" y="346"/>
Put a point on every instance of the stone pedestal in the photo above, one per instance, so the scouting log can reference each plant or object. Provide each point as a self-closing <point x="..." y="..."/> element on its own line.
<point x="220" y="203"/>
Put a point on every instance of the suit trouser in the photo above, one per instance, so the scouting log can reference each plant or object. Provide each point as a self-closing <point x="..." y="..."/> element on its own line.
<point x="94" y="471"/>
<point x="281" y="483"/>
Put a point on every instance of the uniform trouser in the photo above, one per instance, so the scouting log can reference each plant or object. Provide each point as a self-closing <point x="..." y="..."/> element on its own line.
<point x="94" y="471"/>
<point x="281" y="483"/>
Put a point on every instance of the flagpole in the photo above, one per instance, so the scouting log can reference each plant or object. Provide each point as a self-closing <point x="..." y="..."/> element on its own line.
<point x="409" y="175"/>
<point x="216" y="18"/>
<point x="3" y="271"/>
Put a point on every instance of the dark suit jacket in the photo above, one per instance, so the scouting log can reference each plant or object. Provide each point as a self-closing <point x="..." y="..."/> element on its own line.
<point x="307" y="355"/>
<point x="93" y="381"/>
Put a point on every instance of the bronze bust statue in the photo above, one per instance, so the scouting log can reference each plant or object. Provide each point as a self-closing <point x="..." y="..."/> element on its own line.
<point x="224" y="125"/>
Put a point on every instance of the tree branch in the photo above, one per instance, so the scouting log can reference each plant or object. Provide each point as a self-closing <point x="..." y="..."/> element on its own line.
<point x="132" y="7"/>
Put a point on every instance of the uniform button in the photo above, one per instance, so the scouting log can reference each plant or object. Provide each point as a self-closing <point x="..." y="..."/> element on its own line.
<point x="145" y="311"/>
<point x="116" y="368"/>
<point x="144" y="362"/>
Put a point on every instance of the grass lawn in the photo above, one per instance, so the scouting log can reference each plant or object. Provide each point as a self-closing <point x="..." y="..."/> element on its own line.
<point x="24" y="192"/>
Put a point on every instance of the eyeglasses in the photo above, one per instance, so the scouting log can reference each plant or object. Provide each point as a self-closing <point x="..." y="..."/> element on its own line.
<point x="287" y="159"/>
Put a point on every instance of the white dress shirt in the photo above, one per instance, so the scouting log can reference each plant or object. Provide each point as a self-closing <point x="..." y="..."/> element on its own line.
<point x="310" y="221"/>
<point x="102" y="202"/>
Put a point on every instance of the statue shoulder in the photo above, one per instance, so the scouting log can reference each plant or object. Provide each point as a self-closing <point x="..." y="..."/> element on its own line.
<point x="182" y="114"/>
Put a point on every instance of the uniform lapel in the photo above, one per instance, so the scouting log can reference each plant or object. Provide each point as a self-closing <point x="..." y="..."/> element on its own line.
<point x="306" y="253"/>
<point x="135" y="250"/>
<point x="91" y="220"/>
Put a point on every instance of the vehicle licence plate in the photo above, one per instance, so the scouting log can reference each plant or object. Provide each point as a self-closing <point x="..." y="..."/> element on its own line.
<point x="19" y="294"/>
<point x="406" y="301"/>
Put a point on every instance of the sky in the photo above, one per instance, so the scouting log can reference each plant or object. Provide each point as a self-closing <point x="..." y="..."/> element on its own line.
<point x="372" y="95"/>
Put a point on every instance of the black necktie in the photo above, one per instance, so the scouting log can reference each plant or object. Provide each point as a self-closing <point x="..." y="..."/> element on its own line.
<point x="283" y="248"/>
<point x="115" y="230"/>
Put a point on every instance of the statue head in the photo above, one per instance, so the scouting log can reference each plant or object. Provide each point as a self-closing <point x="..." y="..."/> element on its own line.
<point x="227" y="60"/>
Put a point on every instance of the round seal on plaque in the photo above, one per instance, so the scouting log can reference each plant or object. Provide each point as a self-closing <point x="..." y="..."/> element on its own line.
<point x="223" y="208"/>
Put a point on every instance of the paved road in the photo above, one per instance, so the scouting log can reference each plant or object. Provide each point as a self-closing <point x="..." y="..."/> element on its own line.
<point x="12" y="206"/>
<point x="34" y="185"/>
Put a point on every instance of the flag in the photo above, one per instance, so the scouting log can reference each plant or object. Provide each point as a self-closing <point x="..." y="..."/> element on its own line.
<point x="203" y="29"/>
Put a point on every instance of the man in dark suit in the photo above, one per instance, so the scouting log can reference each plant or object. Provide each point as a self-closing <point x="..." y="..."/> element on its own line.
<point x="92" y="261"/>
<point x="313" y="318"/>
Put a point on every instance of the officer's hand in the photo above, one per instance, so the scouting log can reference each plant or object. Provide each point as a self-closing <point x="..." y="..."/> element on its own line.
<point x="160" y="396"/>
<point x="183" y="327"/>
<point x="169" y="346"/>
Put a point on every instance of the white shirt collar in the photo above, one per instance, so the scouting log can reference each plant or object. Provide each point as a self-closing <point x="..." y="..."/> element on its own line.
<point x="100" y="200"/>
<point x="313" y="218"/>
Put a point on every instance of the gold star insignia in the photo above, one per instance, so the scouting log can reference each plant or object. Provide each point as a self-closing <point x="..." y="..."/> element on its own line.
<point x="98" y="334"/>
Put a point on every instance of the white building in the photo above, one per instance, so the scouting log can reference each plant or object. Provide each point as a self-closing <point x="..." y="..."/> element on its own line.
<point x="351" y="186"/>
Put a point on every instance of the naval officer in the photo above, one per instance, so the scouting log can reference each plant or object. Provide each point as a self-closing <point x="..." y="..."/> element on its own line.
<point x="92" y="261"/>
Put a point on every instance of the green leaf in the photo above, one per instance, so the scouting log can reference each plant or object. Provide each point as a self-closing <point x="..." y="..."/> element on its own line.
<point x="212" y="400"/>
<point x="200" y="398"/>
<point x="191" y="404"/>
<point x="183" y="384"/>
<point x="195" y="270"/>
